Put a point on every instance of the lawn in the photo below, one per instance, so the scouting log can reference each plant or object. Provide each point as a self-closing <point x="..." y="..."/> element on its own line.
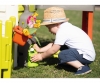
<point x="48" y="67"/>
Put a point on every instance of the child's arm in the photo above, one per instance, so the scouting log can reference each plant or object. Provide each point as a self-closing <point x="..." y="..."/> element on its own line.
<point x="43" y="49"/>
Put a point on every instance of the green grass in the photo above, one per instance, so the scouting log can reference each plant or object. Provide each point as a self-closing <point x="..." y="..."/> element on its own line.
<point x="48" y="67"/>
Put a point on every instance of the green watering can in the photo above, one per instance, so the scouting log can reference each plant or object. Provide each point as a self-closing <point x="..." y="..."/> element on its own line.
<point x="31" y="53"/>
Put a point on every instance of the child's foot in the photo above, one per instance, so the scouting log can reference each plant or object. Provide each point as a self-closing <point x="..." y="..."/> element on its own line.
<point x="83" y="70"/>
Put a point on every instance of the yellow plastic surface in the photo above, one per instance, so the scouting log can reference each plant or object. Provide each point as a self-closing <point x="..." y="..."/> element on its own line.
<point x="20" y="8"/>
<point x="0" y="44"/>
<point x="6" y="59"/>
<point x="56" y="54"/>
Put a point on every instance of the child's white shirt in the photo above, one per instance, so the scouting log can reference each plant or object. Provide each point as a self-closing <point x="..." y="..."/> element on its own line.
<point x="74" y="37"/>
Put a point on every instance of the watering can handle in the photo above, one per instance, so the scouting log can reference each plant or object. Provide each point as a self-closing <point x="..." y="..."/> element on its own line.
<point x="31" y="46"/>
<point x="18" y="29"/>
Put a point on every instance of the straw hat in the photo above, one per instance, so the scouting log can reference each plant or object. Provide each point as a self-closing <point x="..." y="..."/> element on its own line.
<point x="54" y="15"/>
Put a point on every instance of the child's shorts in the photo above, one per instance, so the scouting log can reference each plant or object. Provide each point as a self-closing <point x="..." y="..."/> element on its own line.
<point x="71" y="54"/>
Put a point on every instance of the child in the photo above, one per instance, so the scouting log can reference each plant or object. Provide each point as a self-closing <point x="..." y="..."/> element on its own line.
<point x="80" y="52"/>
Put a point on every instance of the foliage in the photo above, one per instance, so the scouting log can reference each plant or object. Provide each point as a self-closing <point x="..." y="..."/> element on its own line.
<point x="32" y="26"/>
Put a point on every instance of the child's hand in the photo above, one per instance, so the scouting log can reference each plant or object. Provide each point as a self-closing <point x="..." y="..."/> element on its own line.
<point x="36" y="47"/>
<point x="36" y="57"/>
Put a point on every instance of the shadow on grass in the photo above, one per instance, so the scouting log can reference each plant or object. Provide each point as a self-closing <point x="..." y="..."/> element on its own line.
<point x="52" y="61"/>
<point x="66" y="67"/>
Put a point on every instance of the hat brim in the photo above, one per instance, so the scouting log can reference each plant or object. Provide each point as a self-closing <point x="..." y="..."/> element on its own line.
<point x="46" y="23"/>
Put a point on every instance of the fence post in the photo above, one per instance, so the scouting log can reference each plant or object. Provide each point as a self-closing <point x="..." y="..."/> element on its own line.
<point x="87" y="22"/>
<point x="6" y="49"/>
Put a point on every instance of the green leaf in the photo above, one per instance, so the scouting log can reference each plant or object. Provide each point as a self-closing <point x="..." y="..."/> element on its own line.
<point x="32" y="30"/>
<point x="37" y="40"/>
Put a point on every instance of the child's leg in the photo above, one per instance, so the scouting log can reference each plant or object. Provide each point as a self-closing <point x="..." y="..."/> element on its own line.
<point x="75" y="64"/>
<point x="73" y="58"/>
<point x="71" y="55"/>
